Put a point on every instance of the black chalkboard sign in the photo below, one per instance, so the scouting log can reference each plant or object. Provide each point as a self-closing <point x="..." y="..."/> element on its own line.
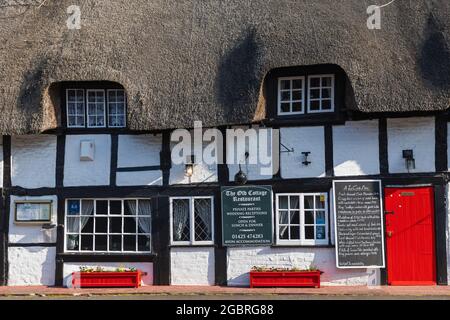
<point x="358" y="217"/>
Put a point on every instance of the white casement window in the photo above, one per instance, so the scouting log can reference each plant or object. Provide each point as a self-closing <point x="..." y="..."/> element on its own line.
<point x="191" y="220"/>
<point x="321" y="93"/>
<point x="75" y="108"/>
<point x="96" y="108"/>
<point x="116" y="108"/>
<point x="108" y="225"/>
<point x="291" y="95"/>
<point x="102" y="108"/>
<point x="302" y="219"/>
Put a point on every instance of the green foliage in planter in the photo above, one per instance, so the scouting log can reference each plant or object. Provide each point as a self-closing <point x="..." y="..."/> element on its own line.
<point x="274" y="269"/>
<point x="101" y="269"/>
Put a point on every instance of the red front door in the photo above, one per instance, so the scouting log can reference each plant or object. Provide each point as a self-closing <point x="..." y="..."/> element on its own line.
<point x="410" y="236"/>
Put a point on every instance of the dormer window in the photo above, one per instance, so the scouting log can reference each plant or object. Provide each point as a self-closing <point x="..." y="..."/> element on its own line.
<point x="291" y="95"/>
<point x="321" y="93"/>
<point x="96" y="108"/>
<point x="305" y="94"/>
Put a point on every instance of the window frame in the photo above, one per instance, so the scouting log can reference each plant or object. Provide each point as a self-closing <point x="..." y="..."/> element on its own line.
<point x="104" y="107"/>
<point x="108" y="233"/>
<point x="124" y="106"/>
<point x="303" y="101"/>
<point x="302" y="241"/>
<point x="86" y="89"/>
<point x="192" y="241"/>
<point x="306" y="94"/>
<point x="67" y="108"/>
<point x="320" y="76"/>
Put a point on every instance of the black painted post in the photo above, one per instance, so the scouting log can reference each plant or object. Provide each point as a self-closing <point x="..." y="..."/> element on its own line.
<point x="441" y="144"/>
<point x="383" y="146"/>
<point x="329" y="166"/>
<point x="440" y="219"/>
<point x="114" y="156"/>
<point x="160" y="240"/>
<point x="165" y="159"/>
<point x="60" y="155"/>
<point x="6" y="212"/>
<point x="220" y="252"/>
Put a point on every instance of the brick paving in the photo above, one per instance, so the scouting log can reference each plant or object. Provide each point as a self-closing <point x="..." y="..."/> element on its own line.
<point x="215" y="290"/>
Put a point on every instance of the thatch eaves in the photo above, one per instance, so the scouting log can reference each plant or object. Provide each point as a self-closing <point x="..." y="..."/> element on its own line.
<point x="189" y="60"/>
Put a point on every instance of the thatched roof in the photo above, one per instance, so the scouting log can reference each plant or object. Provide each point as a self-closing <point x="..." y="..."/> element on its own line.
<point x="189" y="60"/>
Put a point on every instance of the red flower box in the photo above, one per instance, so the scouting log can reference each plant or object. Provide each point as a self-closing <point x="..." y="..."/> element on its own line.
<point x="310" y="279"/>
<point x="127" y="279"/>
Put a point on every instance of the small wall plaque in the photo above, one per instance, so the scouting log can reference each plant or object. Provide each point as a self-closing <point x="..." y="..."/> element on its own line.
<point x="33" y="211"/>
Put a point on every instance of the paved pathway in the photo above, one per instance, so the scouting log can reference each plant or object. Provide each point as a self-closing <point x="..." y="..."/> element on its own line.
<point x="211" y="292"/>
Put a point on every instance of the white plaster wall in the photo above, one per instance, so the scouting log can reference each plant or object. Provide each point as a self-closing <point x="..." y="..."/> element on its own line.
<point x="411" y="133"/>
<point x="87" y="173"/>
<point x="192" y="266"/>
<point x="32" y="233"/>
<point x="147" y="267"/>
<point x="202" y="172"/>
<point x="356" y="148"/>
<point x="33" y="161"/>
<point x="139" y="150"/>
<point x="241" y="260"/>
<point x="251" y="168"/>
<point x="302" y="139"/>
<point x="139" y="178"/>
<point x="31" y="266"/>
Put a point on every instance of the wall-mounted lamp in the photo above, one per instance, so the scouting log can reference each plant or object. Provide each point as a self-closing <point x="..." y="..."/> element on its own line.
<point x="410" y="162"/>
<point x="240" y="177"/>
<point x="189" y="167"/>
<point x="305" y="158"/>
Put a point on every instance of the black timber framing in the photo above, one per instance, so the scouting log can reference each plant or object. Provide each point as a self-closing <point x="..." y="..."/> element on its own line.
<point x="383" y="146"/>
<point x="441" y="144"/>
<point x="440" y="219"/>
<point x="34" y="244"/>
<point x="103" y="257"/>
<point x="160" y="240"/>
<point x="60" y="156"/>
<point x="165" y="157"/>
<point x="160" y="194"/>
<point x="5" y="210"/>
<point x="220" y="252"/>
<point x="114" y="156"/>
<point x="329" y="166"/>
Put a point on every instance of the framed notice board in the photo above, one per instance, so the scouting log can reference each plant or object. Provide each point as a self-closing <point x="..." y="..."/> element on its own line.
<point x="358" y="223"/>
<point x="33" y="211"/>
<point x="247" y="215"/>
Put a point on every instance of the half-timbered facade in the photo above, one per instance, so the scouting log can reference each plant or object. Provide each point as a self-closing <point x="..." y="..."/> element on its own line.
<point x="87" y="124"/>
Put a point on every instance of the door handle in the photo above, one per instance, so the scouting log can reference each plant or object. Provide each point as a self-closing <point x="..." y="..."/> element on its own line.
<point x="389" y="234"/>
<point x="389" y="212"/>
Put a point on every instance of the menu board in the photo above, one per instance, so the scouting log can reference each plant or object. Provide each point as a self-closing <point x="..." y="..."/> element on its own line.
<point x="247" y="215"/>
<point x="33" y="211"/>
<point x="358" y="217"/>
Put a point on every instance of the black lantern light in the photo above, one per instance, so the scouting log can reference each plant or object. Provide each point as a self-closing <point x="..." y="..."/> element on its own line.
<point x="410" y="162"/>
<point x="240" y="177"/>
<point x="189" y="167"/>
